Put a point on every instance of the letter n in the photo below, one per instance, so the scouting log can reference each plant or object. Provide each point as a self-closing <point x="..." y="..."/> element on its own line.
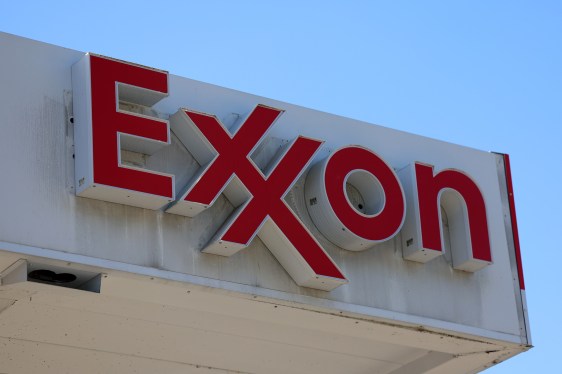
<point x="449" y="196"/>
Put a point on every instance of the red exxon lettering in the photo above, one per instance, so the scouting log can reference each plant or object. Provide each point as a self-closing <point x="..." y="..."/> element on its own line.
<point x="454" y="194"/>
<point x="261" y="208"/>
<point x="106" y="129"/>
<point x="377" y="215"/>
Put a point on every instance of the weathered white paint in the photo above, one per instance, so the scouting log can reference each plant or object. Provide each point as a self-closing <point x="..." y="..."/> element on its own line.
<point x="40" y="216"/>
<point x="141" y="324"/>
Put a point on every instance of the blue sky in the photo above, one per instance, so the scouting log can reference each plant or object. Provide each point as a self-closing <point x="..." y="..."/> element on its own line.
<point x="485" y="74"/>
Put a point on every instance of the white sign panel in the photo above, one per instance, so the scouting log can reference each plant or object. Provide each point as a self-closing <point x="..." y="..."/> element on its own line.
<point x="135" y="169"/>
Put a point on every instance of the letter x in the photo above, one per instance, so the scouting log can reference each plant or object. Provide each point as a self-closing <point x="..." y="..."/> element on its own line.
<point x="265" y="213"/>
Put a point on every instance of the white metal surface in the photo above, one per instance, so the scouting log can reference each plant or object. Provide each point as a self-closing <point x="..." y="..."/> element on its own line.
<point x="145" y="325"/>
<point x="371" y="323"/>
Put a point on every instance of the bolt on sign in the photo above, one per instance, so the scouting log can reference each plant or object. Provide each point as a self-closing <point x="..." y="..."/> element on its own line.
<point x="354" y="197"/>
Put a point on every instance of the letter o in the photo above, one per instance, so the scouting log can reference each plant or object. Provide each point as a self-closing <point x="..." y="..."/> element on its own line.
<point x="355" y="199"/>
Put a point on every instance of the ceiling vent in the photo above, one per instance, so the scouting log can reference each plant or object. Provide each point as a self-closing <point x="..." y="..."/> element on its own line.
<point x="60" y="276"/>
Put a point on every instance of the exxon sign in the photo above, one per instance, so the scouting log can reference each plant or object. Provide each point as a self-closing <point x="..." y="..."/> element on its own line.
<point x="409" y="200"/>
